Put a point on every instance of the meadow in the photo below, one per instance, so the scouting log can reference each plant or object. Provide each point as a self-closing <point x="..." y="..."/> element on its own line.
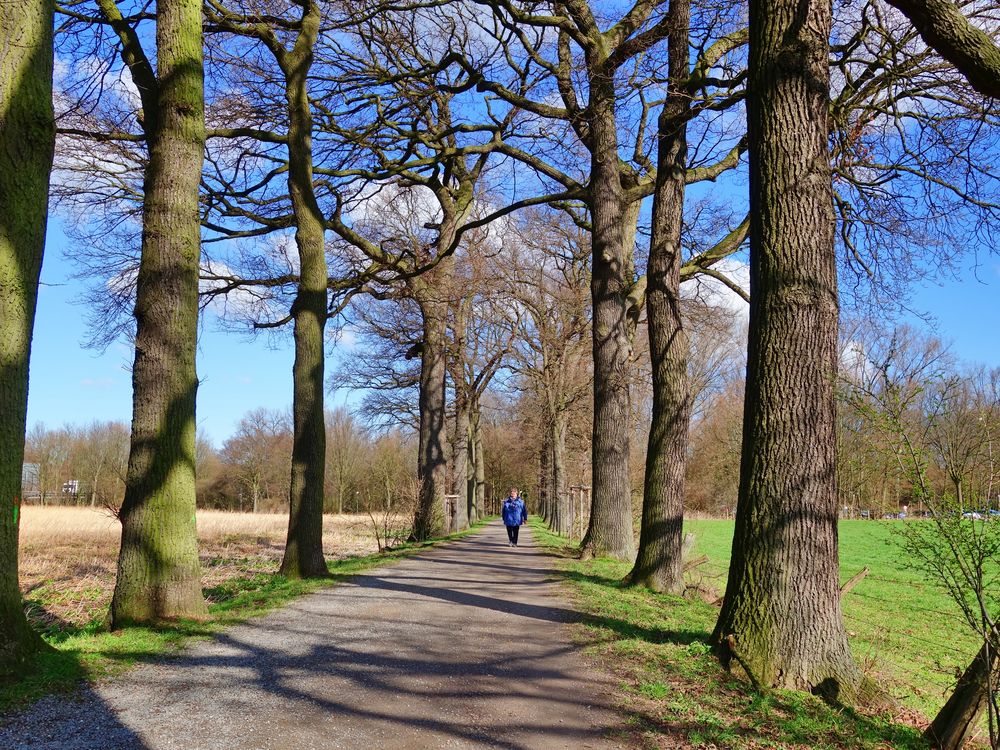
<point x="68" y="556"/>
<point x="905" y="633"/>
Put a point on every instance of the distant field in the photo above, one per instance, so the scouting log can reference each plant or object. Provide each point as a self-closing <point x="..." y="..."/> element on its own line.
<point x="68" y="555"/>
<point x="904" y="631"/>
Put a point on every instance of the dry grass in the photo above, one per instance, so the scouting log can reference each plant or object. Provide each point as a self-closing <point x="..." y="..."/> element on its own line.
<point x="68" y="555"/>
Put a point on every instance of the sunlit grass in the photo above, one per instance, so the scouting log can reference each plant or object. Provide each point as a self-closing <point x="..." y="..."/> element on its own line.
<point x="672" y="687"/>
<point x="905" y="632"/>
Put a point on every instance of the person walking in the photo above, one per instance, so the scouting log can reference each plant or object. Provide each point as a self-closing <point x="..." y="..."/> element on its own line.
<point x="514" y="514"/>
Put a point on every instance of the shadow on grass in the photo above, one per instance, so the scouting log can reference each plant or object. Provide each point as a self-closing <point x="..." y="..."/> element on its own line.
<point x="679" y="693"/>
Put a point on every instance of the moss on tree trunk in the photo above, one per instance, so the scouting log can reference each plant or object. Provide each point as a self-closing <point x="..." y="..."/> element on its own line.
<point x="159" y="575"/>
<point x="781" y="617"/>
<point x="303" y="556"/>
<point x="27" y="139"/>
<point x="658" y="564"/>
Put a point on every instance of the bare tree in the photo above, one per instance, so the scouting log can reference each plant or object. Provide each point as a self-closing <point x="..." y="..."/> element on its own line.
<point x="564" y="45"/>
<point x="549" y="277"/>
<point x="259" y="453"/>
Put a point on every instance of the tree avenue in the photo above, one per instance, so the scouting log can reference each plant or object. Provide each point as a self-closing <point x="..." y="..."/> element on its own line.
<point x="491" y="195"/>
<point x="27" y="141"/>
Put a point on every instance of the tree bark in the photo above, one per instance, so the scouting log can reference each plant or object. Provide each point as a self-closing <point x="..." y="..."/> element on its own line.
<point x="959" y="718"/>
<point x="460" y="452"/>
<point x="545" y="474"/>
<point x="303" y="556"/>
<point x="610" y="530"/>
<point x="561" y="520"/>
<point x="480" y="462"/>
<point x="781" y="618"/>
<point x="159" y="575"/>
<point x="27" y="140"/>
<point x="945" y="29"/>
<point x="470" y="478"/>
<point x="659" y="564"/>
<point x="429" y="517"/>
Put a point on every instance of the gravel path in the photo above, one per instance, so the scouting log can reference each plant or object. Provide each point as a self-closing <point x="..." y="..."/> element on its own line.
<point x="463" y="646"/>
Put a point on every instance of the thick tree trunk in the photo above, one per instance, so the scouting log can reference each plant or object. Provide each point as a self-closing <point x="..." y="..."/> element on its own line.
<point x="159" y="576"/>
<point x="610" y="530"/>
<point x="303" y="556"/>
<point x="27" y="138"/>
<point x="658" y="564"/>
<point x="429" y="517"/>
<point x="460" y="460"/>
<point x="959" y="718"/>
<point x="781" y="618"/>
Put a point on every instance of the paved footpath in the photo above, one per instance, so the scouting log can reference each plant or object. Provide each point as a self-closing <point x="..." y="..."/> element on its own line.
<point x="463" y="646"/>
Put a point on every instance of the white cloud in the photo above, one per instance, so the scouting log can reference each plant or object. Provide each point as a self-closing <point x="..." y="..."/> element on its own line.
<point x="716" y="294"/>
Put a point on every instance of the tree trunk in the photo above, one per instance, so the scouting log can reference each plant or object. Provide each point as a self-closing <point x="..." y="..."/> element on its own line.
<point x="781" y="618"/>
<point x="303" y="556"/>
<point x="610" y="529"/>
<point x="658" y="564"/>
<point x="959" y="718"/>
<point x="944" y="27"/>
<point x="27" y="138"/>
<point x="562" y="505"/>
<point x="159" y="576"/>
<point x="545" y="474"/>
<point x="460" y="452"/>
<point x="429" y="517"/>
<point x="480" y="462"/>
<point x="472" y="459"/>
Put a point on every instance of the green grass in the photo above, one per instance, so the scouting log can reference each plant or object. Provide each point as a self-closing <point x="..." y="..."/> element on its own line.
<point x="92" y="651"/>
<point x="906" y="633"/>
<point x="674" y="690"/>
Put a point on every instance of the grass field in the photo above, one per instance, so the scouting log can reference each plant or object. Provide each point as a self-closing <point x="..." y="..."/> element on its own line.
<point x="906" y="635"/>
<point x="68" y="555"/>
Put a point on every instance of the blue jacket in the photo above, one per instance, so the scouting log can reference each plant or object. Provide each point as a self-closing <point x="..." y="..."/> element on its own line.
<point x="514" y="513"/>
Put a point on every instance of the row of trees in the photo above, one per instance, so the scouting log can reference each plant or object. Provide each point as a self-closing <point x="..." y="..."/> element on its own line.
<point x="323" y="152"/>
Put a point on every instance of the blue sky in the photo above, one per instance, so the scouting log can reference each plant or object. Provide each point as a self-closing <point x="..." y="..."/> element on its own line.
<point x="966" y="311"/>
<point x="73" y="384"/>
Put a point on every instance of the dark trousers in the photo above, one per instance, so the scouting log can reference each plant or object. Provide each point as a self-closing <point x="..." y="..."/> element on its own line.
<point x="512" y="533"/>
